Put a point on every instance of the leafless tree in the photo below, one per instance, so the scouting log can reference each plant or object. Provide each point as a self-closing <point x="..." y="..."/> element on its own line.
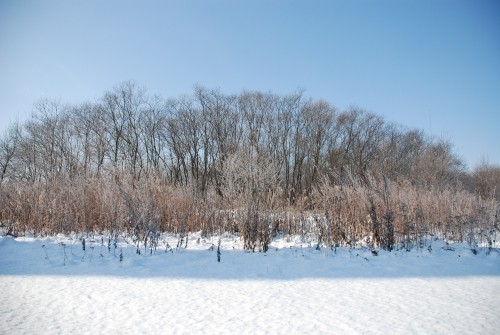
<point x="8" y="146"/>
<point x="253" y="163"/>
<point x="486" y="179"/>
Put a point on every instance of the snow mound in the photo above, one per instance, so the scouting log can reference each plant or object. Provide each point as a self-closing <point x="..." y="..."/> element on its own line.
<point x="53" y="286"/>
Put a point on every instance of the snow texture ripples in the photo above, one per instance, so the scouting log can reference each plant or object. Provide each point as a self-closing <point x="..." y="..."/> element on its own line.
<point x="286" y="291"/>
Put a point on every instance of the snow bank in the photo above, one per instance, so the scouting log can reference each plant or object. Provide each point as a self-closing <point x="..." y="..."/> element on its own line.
<point x="52" y="286"/>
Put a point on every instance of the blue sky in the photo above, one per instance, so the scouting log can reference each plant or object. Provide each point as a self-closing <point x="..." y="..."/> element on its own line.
<point x="432" y="65"/>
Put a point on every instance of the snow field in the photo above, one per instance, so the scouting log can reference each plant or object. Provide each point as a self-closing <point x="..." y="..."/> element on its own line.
<point x="293" y="289"/>
<point x="96" y="305"/>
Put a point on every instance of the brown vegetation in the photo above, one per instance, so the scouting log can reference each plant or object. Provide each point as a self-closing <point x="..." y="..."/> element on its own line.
<point x="254" y="164"/>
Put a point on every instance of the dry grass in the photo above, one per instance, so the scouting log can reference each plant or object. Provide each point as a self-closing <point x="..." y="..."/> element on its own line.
<point x="383" y="215"/>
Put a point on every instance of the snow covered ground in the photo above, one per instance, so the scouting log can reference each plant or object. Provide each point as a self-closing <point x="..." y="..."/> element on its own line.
<point x="51" y="286"/>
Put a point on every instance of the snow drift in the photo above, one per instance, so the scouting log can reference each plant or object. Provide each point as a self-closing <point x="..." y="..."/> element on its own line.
<point x="51" y="285"/>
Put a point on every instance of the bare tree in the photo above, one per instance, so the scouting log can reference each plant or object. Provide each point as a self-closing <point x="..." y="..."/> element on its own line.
<point x="130" y="161"/>
<point x="248" y="180"/>
<point x="8" y="146"/>
<point x="486" y="179"/>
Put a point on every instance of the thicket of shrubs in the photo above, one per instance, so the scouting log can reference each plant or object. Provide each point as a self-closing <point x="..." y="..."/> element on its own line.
<point x="255" y="164"/>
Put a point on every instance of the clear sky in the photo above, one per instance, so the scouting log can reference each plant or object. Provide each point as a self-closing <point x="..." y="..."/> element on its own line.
<point x="432" y="65"/>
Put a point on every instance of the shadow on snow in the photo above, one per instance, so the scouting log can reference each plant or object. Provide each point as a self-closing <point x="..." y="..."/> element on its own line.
<point x="31" y="259"/>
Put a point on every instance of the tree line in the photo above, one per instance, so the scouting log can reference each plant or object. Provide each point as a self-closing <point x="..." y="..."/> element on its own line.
<point x="189" y="140"/>
<point x="258" y="151"/>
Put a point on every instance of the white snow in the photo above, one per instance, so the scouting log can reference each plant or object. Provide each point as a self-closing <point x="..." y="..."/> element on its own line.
<point x="291" y="289"/>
